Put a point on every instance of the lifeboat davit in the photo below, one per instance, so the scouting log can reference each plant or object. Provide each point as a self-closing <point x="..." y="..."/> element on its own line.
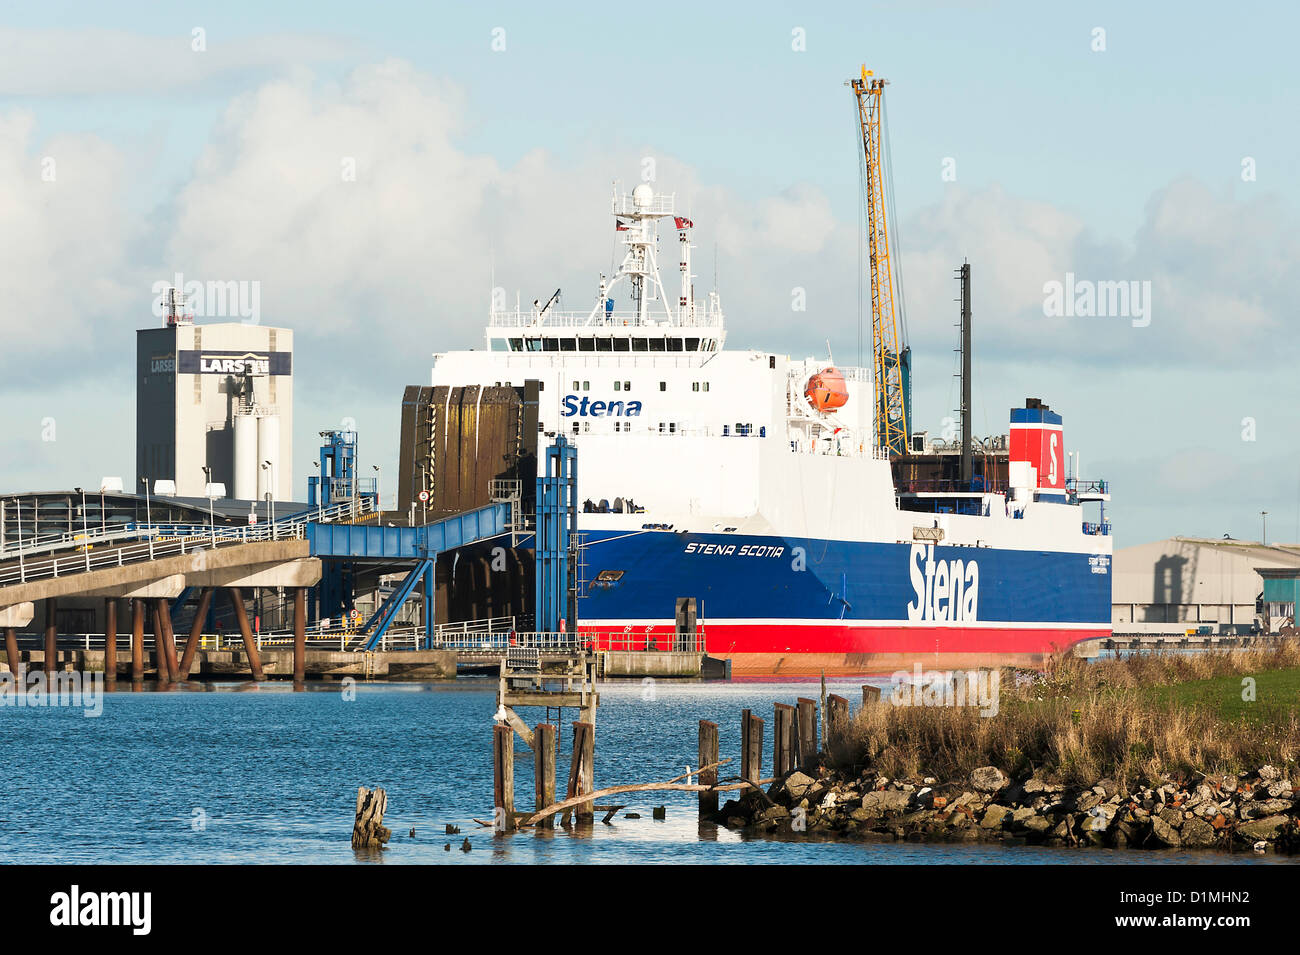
<point x="826" y="390"/>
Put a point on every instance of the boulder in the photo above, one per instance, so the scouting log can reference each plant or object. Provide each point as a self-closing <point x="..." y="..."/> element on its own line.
<point x="994" y="817"/>
<point x="988" y="779"/>
<point x="1279" y="789"/>
<point x="1087" y="801"/>
<point x="1269" y="774"/>
<point x="1267" y="828"/>
<point x="1264" y="807"/>
<point x="1172" y="817"/>
<point x="797" y="783"/>
<point x="1197" y="834"/>
<point x="1038" y="824"/>
<point x="884" y="801"/>
<point x="1164" y="833"/>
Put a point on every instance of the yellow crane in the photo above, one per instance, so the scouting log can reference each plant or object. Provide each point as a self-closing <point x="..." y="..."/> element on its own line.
<point x="891" y="359"/>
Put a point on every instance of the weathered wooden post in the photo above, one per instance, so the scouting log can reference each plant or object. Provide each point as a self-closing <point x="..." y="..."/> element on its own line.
<point x="368" y="831"/>
<point x="806" y="716"/>
<point x="51" y="636"/>
<point x="503" y="777"/>
<point x="581" y="772"/>
<point x="137" y="640"/>
<point x="783" y="748"/>
<point x="250" y="644"/>
<point x="544" y="770"/>
<point x="110" y="640"/>
<point x="837" y="716"/>
<point x="196" y="633"/>
<point x="708" y="777"/>
<point x="11" y="650"/>
<point x="870" y="694"/>
<point x="752" y="754"/>
<point x="299" y="637"/>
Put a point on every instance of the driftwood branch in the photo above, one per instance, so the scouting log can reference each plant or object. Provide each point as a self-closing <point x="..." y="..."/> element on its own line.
<point x="671" y="786"/>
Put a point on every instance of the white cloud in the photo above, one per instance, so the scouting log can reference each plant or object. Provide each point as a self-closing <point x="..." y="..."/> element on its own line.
<point x="98" y="61"/>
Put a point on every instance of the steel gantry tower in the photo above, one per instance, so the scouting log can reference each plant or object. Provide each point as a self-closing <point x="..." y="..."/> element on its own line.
<point x="890" y="356"/>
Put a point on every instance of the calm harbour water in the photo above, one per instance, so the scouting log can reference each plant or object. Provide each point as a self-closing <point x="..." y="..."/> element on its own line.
<point x="256" y="773"/>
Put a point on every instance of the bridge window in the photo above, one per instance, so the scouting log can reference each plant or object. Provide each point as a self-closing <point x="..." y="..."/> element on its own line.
<point x="568" y="344"/>
<point x="674" y="344"/>
<point x="586" y="344"/>
<point x="639" y="344"/>
<point x="692" y="344"/>
<point x="663" y="386"/>
<point x="534" y="344"/>
<point x="622" y="344"/>
<point x="618" y="386"/>
<point x="550" y="344"/>
<point x="657" y="344"/>
<point x="604" y="344"/>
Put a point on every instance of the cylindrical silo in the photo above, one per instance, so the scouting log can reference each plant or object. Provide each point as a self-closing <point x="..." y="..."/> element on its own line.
<point x="245" y="457"/>
<point x="268" y="449"/>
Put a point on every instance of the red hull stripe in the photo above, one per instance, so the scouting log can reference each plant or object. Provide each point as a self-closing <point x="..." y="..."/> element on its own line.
<point x="820" y="638"/>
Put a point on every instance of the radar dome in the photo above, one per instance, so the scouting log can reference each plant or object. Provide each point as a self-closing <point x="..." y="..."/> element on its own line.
<point x="643" y="195"/>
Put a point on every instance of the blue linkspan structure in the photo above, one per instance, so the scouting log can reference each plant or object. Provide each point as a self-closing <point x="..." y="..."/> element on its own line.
<point x="557" y="508"/>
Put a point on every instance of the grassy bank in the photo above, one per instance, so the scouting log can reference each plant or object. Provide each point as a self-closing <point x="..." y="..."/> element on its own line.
<point x="1134" y="720"/>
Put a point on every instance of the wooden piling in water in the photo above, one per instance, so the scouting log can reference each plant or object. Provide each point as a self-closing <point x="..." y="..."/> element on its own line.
<point x="137" y="640"/>
<point x="544" y="771"/>
<point x="503" y="776"/>
<point x="751" y="757"/>
<point x="250" y="644"/>
<point x="708" y="777"/>
<point x="368" y="830"/>
<point x="51" y="636"/>
<point x="196" y="633"/>
<point x="783" y="737"/>
<point x="870" y="694"/>
<point x="581" y="770"/>
<point x="299" y="637"/>
<point x="837" y="716"/>
<point x="806" y="729"/>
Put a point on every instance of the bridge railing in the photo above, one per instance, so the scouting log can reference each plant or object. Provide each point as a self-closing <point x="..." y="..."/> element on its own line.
<point x="169" y="540"/>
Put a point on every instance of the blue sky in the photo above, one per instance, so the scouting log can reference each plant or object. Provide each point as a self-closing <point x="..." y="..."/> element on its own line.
<point x="1117" y="164"/>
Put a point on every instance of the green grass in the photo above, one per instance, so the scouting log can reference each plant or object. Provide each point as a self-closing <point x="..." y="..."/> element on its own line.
<point x="1275" y="692"/>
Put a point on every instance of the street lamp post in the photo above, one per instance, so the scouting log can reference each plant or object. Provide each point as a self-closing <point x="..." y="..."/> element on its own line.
<point x="148" y="515"/>
<point x="270" y="493"/>
<point x="85" y="530"/>
<point x="212" y="518"/>
<point x="1263" y="517"/>
<point x="379" y="498"/>
<point x="18" y="506"/>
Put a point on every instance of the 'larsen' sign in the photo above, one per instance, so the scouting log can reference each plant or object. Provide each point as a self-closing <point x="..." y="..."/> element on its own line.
<point x="233" y="363"/>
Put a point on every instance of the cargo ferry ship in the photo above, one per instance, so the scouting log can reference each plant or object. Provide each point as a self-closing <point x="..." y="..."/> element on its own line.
<point x="746" y="496"/>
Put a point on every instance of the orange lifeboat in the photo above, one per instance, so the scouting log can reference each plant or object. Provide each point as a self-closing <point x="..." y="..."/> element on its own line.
<point x="826" y="390"/>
